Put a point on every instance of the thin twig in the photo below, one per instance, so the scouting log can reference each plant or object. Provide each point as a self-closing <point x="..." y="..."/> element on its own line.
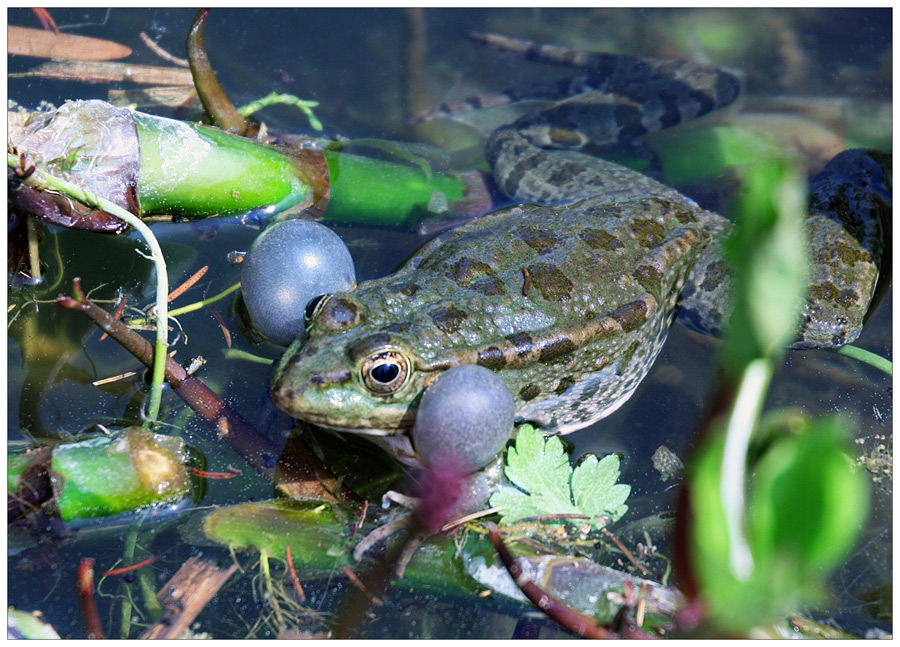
<point x="374" y="599"/>
<point x="293" y="573"/>
<point x="85" y="584"/>
<point x="163" y="54"/>
<point x="625" y="551"/>
<point x="567" y="618"/>
<point x="133" y="567"/>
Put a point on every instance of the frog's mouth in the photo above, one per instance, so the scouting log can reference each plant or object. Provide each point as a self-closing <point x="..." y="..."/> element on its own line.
<point x="397" y="442"/>
<point x="364" y="431"/>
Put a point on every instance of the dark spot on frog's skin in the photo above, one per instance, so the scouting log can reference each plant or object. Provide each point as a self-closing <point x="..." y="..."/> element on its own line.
<point x="631" y="316"/>
<point x="648" y="233"/>
<point x="714" y="276"/>
<point x="824" y="292"/>
<point x="308" y="350"/>
<point x="328" y="378"/>
<point x="625" y="357"/>
<point x="684" y="216"/>
<point x="466" y="270"/>
<point x="514" y="177"/>
<point x="394" y="328"/>
<point x="448" y="319"/>
<point x="492" y="358"/>
<point x="600" y="239"/>
<point x="540" y="240"/>
<point x="848" y="299"/>
<point x="408" y="289"/>
<point x="340" y="314"/>
<point x="649" y="277"/>
<point x="550" y="282"/>
<point x="523" y="343"/>
<point x="489" y="286"/>
<point x="529" y="392"/>
<point x="589" y="393"/>
<point x="850" y="255"/>
<point x="556" y="350"/>
<point x="564" y="385"/>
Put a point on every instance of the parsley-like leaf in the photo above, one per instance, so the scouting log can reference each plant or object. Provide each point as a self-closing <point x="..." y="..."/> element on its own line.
<point x="541" y="468"/>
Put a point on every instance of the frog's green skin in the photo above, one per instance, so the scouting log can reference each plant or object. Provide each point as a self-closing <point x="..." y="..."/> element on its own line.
<point x="570" y="303"/>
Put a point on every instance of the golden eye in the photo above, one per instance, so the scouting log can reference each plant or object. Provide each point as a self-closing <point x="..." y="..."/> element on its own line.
<point x="385" y="371"/>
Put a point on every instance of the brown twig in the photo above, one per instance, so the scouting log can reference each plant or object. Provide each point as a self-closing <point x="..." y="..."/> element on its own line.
<point x="212" y="476"/>
<point x="163" y="54"/>
<point x="84" y="580"/>
<point x="628" y="554"/>
<point x="567" y="618"/>
<point x="295" y="581"/>
<point x="133" y="567"/>
<point x="374" y="599"/>
<point x="188" y="284"/>
<point x="360" y="519"/>
<point x="222" y="325"/>
<point x="109" y="72"/>
<point x="117" y="314"/>
<point x="46" y="20"/>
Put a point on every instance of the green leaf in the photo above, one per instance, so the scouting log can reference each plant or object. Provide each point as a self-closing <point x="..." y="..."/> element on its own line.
<point x="768" y="253"/>
<point x="808" y="499"/>
<point x="806" y="505"/>
<point x="595" y="490"/>
<point x="541" y="468"/>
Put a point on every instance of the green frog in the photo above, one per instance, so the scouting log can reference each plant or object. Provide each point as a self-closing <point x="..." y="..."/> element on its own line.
<point x="569" y="293"/>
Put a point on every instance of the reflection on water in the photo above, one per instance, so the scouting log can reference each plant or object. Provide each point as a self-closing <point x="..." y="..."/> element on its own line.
<point x="827" y="71"/>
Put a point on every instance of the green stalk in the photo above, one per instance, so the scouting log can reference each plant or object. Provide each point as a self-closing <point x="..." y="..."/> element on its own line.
<point x="375" y="192"/>
<point x="868" y="357"/>
<point x="286" y="99"/>
<point x="42" y="181"/>
<point x="191" y="307"/>
<point x="197" y="171"/>
<point x="742" y="421"/>
<point x="127" y="603"/>
<point x="109" y="475"/>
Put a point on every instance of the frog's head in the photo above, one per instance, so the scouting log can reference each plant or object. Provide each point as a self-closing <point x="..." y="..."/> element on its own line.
<point x="350" y="375"/>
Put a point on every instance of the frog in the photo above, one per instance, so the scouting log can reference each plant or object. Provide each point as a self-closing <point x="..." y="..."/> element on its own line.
<point x="568" y="293"/>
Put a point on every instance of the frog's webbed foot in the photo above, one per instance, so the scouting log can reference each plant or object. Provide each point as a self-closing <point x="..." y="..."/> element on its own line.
<point x="848" y="227"/>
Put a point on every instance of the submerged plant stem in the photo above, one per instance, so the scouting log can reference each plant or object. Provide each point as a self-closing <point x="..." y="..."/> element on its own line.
<point x="42" y="181"/>
<point x="275" y="98"/>
<point x="191" y="307"/>
<point x="867" y="357"/>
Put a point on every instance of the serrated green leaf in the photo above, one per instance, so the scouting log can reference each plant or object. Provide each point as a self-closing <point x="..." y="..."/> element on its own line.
<point x="541" y="468"/>
<point x="595" y="490"/>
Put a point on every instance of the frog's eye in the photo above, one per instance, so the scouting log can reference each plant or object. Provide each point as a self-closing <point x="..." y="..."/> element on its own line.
<point x="385" y="371"/>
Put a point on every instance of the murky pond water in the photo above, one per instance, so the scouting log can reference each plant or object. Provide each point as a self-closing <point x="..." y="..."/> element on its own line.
<point x="830" y="68"/>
